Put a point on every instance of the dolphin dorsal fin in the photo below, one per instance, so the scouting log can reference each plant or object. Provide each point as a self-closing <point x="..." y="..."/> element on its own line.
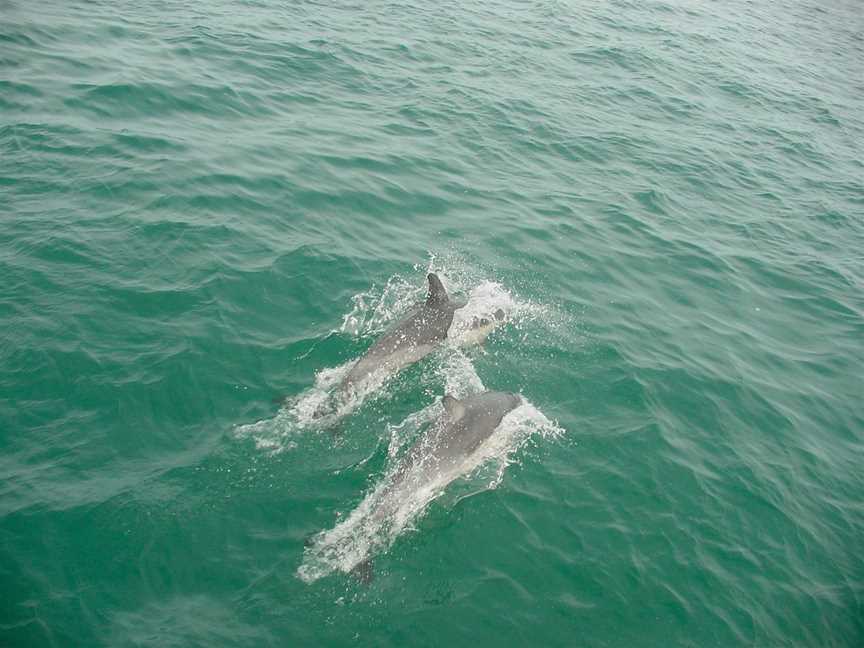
<point x="437" y="295"/>
<point x="453" y="407"/>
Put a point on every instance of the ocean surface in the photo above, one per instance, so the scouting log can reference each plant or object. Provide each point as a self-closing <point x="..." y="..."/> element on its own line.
<point x="209" y="210"/>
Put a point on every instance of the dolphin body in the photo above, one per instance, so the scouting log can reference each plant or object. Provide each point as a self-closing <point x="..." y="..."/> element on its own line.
<point x="454" y="436"/>
<point x="413" y="338"/>
<point x="443" y="453"/>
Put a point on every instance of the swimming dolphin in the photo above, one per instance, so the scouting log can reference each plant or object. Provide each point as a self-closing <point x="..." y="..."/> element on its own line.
<point x="455" y="435"/>
<point x="412" y="338"/>
<point x="445" y="451"/>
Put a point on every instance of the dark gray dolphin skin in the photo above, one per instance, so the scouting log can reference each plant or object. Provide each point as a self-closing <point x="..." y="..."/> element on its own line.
<point x="412" y="338"/>
<point x="439" y="456"/>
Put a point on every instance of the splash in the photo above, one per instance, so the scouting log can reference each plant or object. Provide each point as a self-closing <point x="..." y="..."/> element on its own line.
<point x="319" y="408"/>
<point x="372" y="311"/>
<point x="390" y="508"/>
<point x="459" y="375"/>
<point x="277" y="434"/>
<point x="489" y="305"/>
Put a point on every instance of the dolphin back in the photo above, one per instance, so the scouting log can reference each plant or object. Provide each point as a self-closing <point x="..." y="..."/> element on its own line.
<point x="412" y="338"/>
<point x="477" y="417"/>
<point x="461" y="429"/>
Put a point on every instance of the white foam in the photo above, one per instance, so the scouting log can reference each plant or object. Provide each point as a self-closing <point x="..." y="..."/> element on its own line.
<point x="488" y="301"/>
<point x="460" y="376"/>
<point x="373" y="310"/>
<point x="317" y="408"/>
<point x="271" y="435"/>
<point x="297" y="414"/>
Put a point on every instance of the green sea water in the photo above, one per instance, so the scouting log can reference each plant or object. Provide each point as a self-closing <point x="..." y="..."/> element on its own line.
<point x="206" y="206"/>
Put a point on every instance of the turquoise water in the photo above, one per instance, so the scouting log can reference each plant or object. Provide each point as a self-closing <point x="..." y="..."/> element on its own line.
<point x="208" y="206"/>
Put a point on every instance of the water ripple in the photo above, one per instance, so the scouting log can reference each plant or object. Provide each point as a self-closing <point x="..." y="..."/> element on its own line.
<point x="196" y="194"/>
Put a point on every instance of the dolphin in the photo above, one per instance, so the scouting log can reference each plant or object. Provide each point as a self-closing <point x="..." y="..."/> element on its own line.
<point x="412" y="338"/>
<point x="447" y="450"/>
<point x="456" y="434"/>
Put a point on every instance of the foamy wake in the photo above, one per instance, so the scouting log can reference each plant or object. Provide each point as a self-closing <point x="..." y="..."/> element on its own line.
<point x="372" y="312"/>
<point x="387" y="511"/>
